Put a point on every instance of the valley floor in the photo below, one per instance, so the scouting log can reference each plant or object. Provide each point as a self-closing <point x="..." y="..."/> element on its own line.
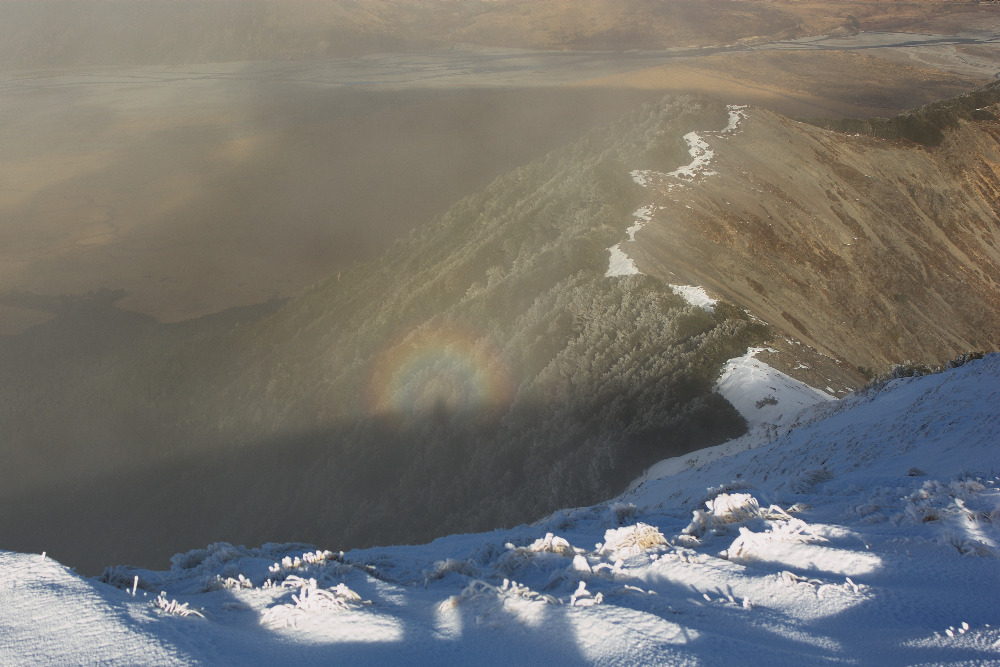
<point x="860" y="531"/>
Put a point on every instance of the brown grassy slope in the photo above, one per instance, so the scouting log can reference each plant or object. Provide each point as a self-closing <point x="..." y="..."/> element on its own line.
<point x="871" y="251"/>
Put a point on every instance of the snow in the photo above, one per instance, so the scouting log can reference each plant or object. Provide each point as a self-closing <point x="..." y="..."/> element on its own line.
<point x="763" y="394"/>
<point x="701" y="157"/>
<point x="696" y="296"/>
<point x="641" y="216"/>
<point x="620" y="263"/>
<point x="857" y="530"/>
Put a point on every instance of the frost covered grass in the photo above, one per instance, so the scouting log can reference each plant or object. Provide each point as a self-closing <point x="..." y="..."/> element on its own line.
<point x="174" y="607"/>
<point x="813" y="543"/>
<point x="310" y="599"/>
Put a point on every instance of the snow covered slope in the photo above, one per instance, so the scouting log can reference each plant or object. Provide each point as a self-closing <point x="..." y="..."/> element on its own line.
<point x="762" y="394"/>
<point x="865" y="530"/>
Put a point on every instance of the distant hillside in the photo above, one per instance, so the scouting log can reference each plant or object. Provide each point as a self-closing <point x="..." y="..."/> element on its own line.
<point x="74" y="33"/>
<point x="927" y="124"/>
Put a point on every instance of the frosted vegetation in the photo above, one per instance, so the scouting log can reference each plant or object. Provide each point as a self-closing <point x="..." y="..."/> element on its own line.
<point x="865" y="529"/>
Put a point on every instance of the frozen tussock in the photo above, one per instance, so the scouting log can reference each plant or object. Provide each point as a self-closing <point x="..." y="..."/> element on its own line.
<point x="631" y="540"/>
<point x="548" y="544"/>
<point x="730" y="508"/>
<point x="733" y="508"/>
<point x="750" y="545"/>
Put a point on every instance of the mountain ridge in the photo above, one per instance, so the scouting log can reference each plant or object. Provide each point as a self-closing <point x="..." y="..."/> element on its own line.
<point x="487" y="360"/>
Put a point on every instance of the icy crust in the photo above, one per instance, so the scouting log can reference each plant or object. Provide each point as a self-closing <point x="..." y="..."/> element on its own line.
<point x="619" y="263"/>
<point x="865" y="527"/>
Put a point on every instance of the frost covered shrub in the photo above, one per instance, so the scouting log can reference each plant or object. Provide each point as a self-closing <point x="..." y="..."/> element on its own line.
<point x="211" y="557"/>
<point x="915" y="369"/>
<point x="631" y="540"/>
<point x="963" y="359"/>
<point x="622" y="512"/>
<point x="123" y="576"/>
<point x="725" y="509"/>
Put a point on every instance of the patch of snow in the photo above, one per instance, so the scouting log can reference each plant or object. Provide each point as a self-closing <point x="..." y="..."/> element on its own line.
<point x="643" y="177"/>
<point x="620" y="263"/>
<point x="696" y="296"/>
<point x="701" y="157"/>
<point x="762" y="394"/>
<point x="737" y="114"/>
<point x="641" y="216"/>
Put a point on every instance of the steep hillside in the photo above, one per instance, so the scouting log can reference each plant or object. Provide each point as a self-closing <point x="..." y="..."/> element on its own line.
<point x="872" y="251"/>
